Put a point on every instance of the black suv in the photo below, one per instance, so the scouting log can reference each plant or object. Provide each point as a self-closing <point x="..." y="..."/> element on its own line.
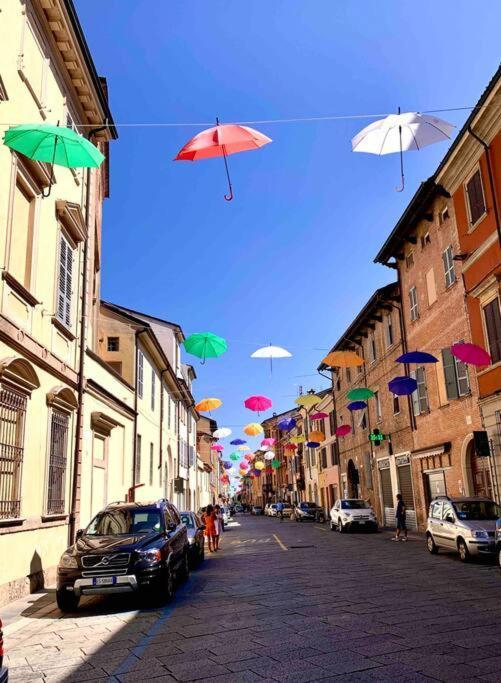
<point x="127" y="547"/>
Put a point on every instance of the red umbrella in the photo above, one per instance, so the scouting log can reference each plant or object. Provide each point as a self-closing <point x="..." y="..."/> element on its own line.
<point x="471" y="354"/>
<point x="343" y="430"/>
<point x="221" y="141"/>
<point x="290" y="447"/>
<point x="258" y="403"/>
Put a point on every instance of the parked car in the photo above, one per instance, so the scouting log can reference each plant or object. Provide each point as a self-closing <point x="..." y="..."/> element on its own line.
<point x="498" y="542"/>
<point x="239" y="508"/>
<point x="226" y="515"/>
<point x="271" y="510"/>
<point x="348" y="514"/>
<point x="308" y="511"/>
<point x="195" y="529"/>
<point x="4" y="674"/>
<point x="257" y="510"/>
<point x="466" y="525"/>
<point x="128" y="547"/>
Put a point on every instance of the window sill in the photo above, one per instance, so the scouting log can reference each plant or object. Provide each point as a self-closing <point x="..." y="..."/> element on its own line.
<point x="63" y="517"/>
<point x="473" y="226"/>
<point x="63" y="329"/>
<point x="16" y="521"/>
<point x="447" y="287"/>
<point x="19" y="288"/>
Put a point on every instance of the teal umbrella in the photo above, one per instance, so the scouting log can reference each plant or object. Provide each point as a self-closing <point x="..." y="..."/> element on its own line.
<point x="54" y="145"/>
<point x="205" y="345"/>
<point x="361" y="394"/>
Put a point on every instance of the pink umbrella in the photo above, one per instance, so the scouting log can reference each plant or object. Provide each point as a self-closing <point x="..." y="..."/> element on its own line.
<point x="243" y="464"/>
<point x="270" y="441"/>
<point x="217" y="447"/>
<point x="318" y="416"/>
<point x="343" y="430"/>
<point x="258" y="403"/>
<point x="471" y="354"/>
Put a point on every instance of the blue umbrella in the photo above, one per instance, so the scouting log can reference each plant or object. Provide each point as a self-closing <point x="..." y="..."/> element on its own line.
<point x="312" y="444"/>
<point x="402" y="386"/>
<point x="357" y="405"/>
<point x="227" y="465"/>
<point x="286" y="424"/>
<point x="238" y="442"/>
<point x="417" y="357"/>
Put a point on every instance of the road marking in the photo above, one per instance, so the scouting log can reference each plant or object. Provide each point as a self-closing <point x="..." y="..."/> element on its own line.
<point x="279" y="542"/>
<point x="320" y="527"/>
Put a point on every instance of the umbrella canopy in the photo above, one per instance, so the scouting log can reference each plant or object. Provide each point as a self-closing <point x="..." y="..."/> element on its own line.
<point x="286" y="424"/>
<point x="249" y="456"/>
<point x="243" y="464"/>
<point x="307" y="400"/>
<point x="222" y="433"/>
<point x="234" y="457"/>
<point x="208" y="404"/>
<point x="318" y="416"/>
<point x="221" y="141"/>
<point x="217" y="447"/>
<point x="290" y="447"/>
<point x="259" y="465"/>
<point x="298" y="439"/>
<point x="269" y="455"/>
<point x="402" y="386"/>
<point x="243" y="448"/>
<point x="316" y="436"/>
<point x="401" y="133"/>
<point x="343" y="430"/>
<point x="237" y="442"/>
<point x="258" y="403"/>
<point x="357" y="405"/>
<point x="253" y="429"/>
<point x="227" y="465"/>
<point x="416" y="357"/>
<point x="268" y="470"/>
<point x="471" y="354"/>
<point x="269" y="441"/>
<point x="343" y="359"/>
<point x="312" y="444"/>
<point x="271" y="352"/>
<point x="205" y="345"/>
<point x="361" y="394"/>
<point x="257" y="472"/>
<point x="275" y="464"/>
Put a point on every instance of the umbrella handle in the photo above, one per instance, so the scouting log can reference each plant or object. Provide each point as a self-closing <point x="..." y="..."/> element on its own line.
<point x="228" y="197"/>
<point x="402" y="187"/>
<point x="44" y="196"/>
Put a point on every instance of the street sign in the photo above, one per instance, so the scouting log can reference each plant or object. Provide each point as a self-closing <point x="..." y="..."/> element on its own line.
<point x="377" y="437"/>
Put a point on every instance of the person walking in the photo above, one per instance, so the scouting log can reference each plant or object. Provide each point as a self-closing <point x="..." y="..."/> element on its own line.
<point x="218" y="525"/>
<point x="280" y="510"/>
<point x="401" y="523"/>
<point x="209" y="518"/>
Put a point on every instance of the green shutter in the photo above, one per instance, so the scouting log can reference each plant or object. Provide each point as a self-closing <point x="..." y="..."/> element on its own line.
<point x="450" y="374"/>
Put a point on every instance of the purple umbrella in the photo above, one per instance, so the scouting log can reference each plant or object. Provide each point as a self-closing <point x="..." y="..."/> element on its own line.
<point x="417" y="357"/>
<point x="238" y="442"/>
<point x="312" y="444"/>
<point x="286" y="424"/>
<point x="402" y="386"/>
<point x="357" y="405"/>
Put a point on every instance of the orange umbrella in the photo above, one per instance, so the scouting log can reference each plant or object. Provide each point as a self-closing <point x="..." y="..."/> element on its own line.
<point x="208" y="404"/>
<point x="316" y="436"/>
<point x="253" y="429"/>
<point x="221" y="141"/>
<point x="343" y="359"/>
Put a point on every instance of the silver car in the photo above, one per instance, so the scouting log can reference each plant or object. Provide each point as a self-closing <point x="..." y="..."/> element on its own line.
<point x="466" y="525"/>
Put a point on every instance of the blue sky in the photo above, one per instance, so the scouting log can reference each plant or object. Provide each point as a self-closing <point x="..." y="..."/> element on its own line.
<point x="289" y="261"/>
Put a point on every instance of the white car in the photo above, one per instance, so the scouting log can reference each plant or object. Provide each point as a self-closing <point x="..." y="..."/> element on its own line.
<point x="352" y="513"/>
<point x="272" y="510"/>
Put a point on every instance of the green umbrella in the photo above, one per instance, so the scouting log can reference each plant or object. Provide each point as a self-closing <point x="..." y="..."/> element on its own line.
<point x="235" y="457"/>
<point x="205" y="345"/>
<point x="360" y="394"/>
<point x="275" y="464"/>
<point x="54" y="145"/>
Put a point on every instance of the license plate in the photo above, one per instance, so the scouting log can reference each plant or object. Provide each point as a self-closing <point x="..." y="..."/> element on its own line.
<point x="362" y="522"/>
<point x="104" y="581"/>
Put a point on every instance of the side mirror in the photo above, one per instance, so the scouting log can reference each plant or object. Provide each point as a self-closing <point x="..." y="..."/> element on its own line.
<point x="79" y="534"/>
<point x="171" y="526"/>
<point x="449" y="518"/>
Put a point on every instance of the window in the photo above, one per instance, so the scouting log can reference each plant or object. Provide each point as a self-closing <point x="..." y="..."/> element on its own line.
<point x="436" y="510"/>
<point x="323" y="457"/>
<point x="348" y="375"/>
<point x="140" y="375"/>
<point x="352" y="419"/>
<point x="363" y="420"/>
<point x="113" y="344"/>
<point x="450" y="273"/>
<point x="334" y="454"/>
<point x="409" y="260"/>
<point x="332" y="422"/>
<point x="3" y="91"/>
<point x="116" y="365"/>
<point x="169" y="410"/>
<point x="23" y="226"/>
<point x="443" y="215"/>
<point x="58" y="452"/>
<point x="372" y="348"/>
<point x="137" y="474"/>
<point x="368" y="471"/>
<point x="475" y="197"/>
<point x="431" y="289"/>
<point x="456" y="375"/>
<point x="65" y="282"/>
<point x="153" y="387"/>
<point x="388" y="330"/>
<point x="377" y="400"/>
<point x="420" y="396"/>
<point x="12" y="419"/>
<point x="396" y="405"/>
<point x="151" y="464"/>
<point x="492" y="317"/>
<point x="413" y="303"/>
<point x="425" y="239"/>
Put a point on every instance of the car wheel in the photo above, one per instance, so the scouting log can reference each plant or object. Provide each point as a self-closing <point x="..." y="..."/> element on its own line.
<point x="431" y="545"/>
<point x="464" y="553"/>
<point x="333" y="528"/>
<point x="340" y="527"/>
<point x="498" y="552"/>
<point x="201" y="554"/>
<point x="67" y="601"/>
<point x="184" y="570"/>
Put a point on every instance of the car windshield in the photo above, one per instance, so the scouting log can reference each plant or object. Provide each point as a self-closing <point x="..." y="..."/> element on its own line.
<point x="187" y="520"/>
<point x="478" y="510"/>
<point x="354" y="504"/>
<point x="305" y="506"/>
<point x="123" y="522"/>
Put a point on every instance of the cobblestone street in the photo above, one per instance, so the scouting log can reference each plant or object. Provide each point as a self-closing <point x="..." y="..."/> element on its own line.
<point x="286" y="602"/>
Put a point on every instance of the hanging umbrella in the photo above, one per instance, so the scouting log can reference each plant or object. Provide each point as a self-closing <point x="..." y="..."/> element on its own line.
<point x="227" y="465"/>
<point x="318" y="416"/>
<point x="234" y="457"/>
<point x="259" y="465"/>
<point x="208" y="404"/>
<point x="361" y="394"/>
<point x="312" y="444"/>
<point x="308" y="400"/>
<point x="263" y="449"/>
<point x="416" y="357"/>
<point x="269" y="455"/>
<point x="257" y="473"/>
<point x="269" y="441"/>
<point x="205" y="345"/>
<point x="249" y="456"/>
<point x="357" y="405"/>
<point x="271" y="352"/>
<point x="217" y="447"/>
<point x="343" y="430"/>
<point x="298" y="439"/>
<point x="222" y="433"/>
<point x="258" y="403"/>
<point x="316" y="436"/>
<point x="401" y="133"/>
<point x="275" y="464"/>
<point x="268" y="470"/>
<point x="286" y="424"/>
<point x="243" y="464"/>
<point x="221" y="141"/>
<point x="243" y="473"/>
<point x="253" y="429"/>
<point x="56" y="145"/>
<point x="471" y="354"/>
<point x="402" y="386"/>
<point x="343" y="359"/>
<point x="290" y="447"/>
<point x="237" y="442"/>
<point x="243" y="448"/>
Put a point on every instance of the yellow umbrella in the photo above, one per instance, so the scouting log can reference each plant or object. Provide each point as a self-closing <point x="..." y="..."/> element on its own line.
<point x="297" y="439"/>
<point x="253" y="429"/>
<point x="308" y="400"/>
<point x="243" y="448"/>
<point x="316" y="436"/>
<point x="208" y="404"/>
<point x="259" y="465"/>
<point x="343" y="359"/>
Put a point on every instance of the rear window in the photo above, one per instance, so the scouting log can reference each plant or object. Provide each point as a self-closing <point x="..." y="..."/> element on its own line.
<point x="481" y="511"/>
<point x="187" y="520"/>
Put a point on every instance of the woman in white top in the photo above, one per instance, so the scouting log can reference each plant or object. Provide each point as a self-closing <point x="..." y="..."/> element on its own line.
<point x="219" y="526"/>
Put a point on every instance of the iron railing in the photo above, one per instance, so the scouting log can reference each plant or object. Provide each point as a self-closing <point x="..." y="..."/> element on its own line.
<point x="57" y="463"/>
<point x="12" y="420"/>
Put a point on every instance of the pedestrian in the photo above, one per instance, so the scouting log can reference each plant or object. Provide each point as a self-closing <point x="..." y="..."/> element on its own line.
<point x="280" y="510"/>
<point x="218" y="525"/>
<point x="208" y="518"/>
<point x="400" y="515"/>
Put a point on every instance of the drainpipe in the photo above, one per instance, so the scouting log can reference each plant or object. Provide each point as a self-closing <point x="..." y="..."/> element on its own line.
<point x="491" y="180"/>
<point x="161" y="439"/>
<point x="403" y="337"/>
<point x="137" y="334"/>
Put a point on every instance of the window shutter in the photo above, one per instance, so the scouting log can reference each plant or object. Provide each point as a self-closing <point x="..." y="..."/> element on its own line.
<point x="492" y="315"/>
<point x="414" y="395"/>
<point x="65" y="284"/>
<point x="422" y="393"/>
<point x="450" y="374"/>
<point x="475" y="197"/>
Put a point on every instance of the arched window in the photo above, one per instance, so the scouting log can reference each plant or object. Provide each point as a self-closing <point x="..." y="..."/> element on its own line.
<point x="62" y="402"/>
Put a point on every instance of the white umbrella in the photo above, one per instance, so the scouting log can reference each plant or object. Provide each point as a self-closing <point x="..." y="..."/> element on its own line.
<point x="401" y="133"/>
<point x="269" y="455"/>
<point x="271" y="352"/>
<point x="221" y="433"/>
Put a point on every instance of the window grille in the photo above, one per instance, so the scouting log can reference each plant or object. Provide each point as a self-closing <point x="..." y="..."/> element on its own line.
<point x="113" y="344"/>
<point x="12" y="420"/>
<point x="58" y="454"/>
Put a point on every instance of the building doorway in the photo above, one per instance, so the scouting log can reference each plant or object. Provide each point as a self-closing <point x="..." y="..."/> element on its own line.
<point x="353" y="480"/>
<point x="481" y="483"/>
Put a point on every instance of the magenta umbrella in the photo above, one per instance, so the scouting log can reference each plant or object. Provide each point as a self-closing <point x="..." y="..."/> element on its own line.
<point x="318" y="416"/>
<point x="217" y="447"/>
<point x="343" y="430"/>
<point x="258" y="403"/>
<point x="270" y="441"/>
<point x="471" y="354"/>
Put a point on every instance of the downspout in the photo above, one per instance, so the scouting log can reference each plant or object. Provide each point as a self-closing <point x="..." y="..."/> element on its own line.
<point x="403" y="336"/>
<point x="491" y="180"/>
<point x="137" y="334"/>
<point x="161" y="440"/>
